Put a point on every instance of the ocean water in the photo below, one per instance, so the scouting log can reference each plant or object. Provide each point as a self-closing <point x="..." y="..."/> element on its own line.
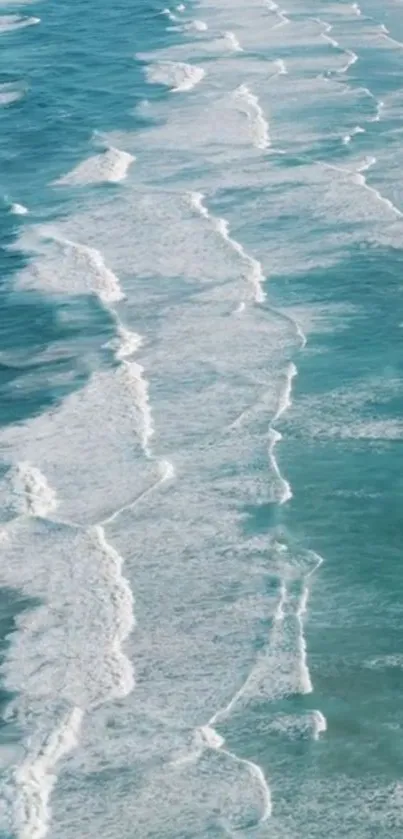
<point x="201" y="221"/>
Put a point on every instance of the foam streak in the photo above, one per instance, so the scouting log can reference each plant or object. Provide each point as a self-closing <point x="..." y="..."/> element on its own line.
<point x="36" y="777"/>
<point x="254" y="273"/>
<point x="283" y="20"/>
<point x="249" y="104"/>
<point x="358" y="178"/>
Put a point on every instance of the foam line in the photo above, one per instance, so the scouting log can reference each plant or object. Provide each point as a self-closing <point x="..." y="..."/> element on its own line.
<point x="169" y="14"/>
<point x="232" y="42"/>
<point x="379" y="108"/>
<point x="106" y="286"/>
<point x="213" y="742"/>
<point x="325" y="34"/>
<point x="319" y="724"/>
<point x="254" y="274"/>
<point x="358" y="178"/>
<point x="249" y="104"/>
<point x="283" y="19"/>
<point x="305" y="678"/>
<point x="36" y="777"/>
<point x="388" y="37"/>
<point x="124" y="622"/>
<point x="167" y="471"/>
<point x="348" y="137"/>
<point x="103" y="281"/>
<point x="352" y="58"/>
<point x="285" y="398"/>
<point x="275" y="437"/>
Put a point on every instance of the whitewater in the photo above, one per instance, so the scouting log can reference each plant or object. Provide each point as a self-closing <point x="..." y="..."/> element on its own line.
<point x="200" y="423"/>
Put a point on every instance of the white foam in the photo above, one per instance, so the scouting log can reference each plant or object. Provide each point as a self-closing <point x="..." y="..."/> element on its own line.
<point x="166" y="473"/>
<point x="8" y="23"/>
<point x="233" y="42"/>
<point x="135" y="371"/>
<point x="281" y="669"/>
<point x="109" y="167"/>
<point x="348" y="137"/>
<point x="319" y="724"/>
<point x="126" y="343"/>
<point x="285" y="397"/>
<point x="388" y="37"/>
<point x="27" y="492"/>
<point x="169" y="14"/>
<point x="123" y="621"/>
<point x="36" y="777"/>
<point x="69" y="649"/>
<point x="305" y="678"/>
<point x="70" y="267"/>
<point x="356" y="9"/>
<point x="308" y="725"/>
<point x="9" y="94"/>
<point x="255" y="275"/>
<point x="198" y="25"/>
<point x="282" y="489"/>
<point x="379" y="108"/>
<point x="358" y="178"/>
<point x="18" y="209"/>
<point x="249" y="103"/>
<point x="282" y="67"/>
<point x="177" y="75"/>
<point x="281" y="492"/>
<point x="283" y="19"/>
<point x="213" y="740"/>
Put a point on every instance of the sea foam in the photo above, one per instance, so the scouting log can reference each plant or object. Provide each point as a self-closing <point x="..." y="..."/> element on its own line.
<point x="177" y="75"/>
<point x="18" y="209"/>
<point x="249" y="103"/>
<point x="8" y="23"/>
<point x="25" y="491"/>
<point x="254" y="273"/>
<point x="109" y="167"/>
<point x="36" y="777"/>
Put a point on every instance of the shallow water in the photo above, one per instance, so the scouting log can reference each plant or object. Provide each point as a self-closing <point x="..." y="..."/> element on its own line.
<point x="201" y="420"/>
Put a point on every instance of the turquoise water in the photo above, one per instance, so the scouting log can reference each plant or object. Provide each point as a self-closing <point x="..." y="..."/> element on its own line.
<point x="201" y="223"/>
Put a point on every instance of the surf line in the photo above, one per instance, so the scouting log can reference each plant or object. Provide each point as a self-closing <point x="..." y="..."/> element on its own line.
<point x="254" y="273"/>
<point x="358" y="178"/>
<point x="280" y="13"/>
<point x="36" y="776"/>
<point x="352" y="56"/>
<point x="285" y="492"/>
<point x="107" y="288"/>
<point x="249" y="104"/>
